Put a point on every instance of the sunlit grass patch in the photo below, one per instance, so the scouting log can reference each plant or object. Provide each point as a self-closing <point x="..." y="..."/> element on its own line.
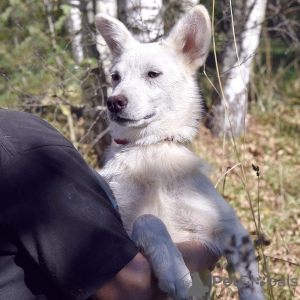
<point x="272" y="143"/>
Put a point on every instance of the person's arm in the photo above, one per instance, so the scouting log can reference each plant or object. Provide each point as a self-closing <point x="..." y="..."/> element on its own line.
<point x="135" y="281"/>
<point x="197" y="257"/>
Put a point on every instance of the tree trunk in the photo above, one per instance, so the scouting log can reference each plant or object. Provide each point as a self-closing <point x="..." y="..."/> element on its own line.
<point x="248" y="17"/>
<point x="108" y="7"/>
<point x="85" y="43"/>
<point x="75" y="29"/>
<point x="143" y="18"/>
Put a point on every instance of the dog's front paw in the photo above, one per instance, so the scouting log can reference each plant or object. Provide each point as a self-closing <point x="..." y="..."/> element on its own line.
<point x="175" y="278"/>
<point x="151" y="235"/>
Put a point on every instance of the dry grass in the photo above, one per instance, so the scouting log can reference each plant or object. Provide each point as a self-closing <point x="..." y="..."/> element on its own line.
<point x="272" y="143"/>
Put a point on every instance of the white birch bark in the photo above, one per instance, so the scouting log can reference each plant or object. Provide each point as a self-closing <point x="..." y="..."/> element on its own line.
<point x="75" y="29"/>
<point x="144" y="19"/>
<point x="234" y="88"/>
<point x="108" y="7"/>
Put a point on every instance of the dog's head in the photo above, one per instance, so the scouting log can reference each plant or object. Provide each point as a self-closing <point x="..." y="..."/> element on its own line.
<point x="155" y="96"/>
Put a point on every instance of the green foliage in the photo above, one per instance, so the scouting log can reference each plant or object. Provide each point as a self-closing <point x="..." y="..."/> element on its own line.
<point x="35" y="62"/>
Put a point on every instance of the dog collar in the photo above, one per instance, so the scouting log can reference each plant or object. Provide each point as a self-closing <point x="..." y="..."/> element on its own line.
<point x="125" y="142"/>
<point x="121" y="142"/>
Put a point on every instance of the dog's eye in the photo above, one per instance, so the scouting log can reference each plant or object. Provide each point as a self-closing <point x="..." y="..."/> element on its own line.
<point x="153" y="74"/>
<point x="115" y="76"/>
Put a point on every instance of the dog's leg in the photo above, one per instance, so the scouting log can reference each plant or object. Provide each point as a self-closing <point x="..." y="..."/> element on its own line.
<point x="150" y="234"/>
<point x="242" y="262"/>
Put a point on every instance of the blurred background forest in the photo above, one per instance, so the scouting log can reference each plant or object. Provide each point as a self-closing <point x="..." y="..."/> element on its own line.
<point x="55" y="65"/>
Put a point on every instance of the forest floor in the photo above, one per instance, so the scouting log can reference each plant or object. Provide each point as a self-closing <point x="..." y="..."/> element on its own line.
<point x="272" y="143"/>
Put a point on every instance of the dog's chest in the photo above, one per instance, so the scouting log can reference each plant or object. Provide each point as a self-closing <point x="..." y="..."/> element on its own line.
<point x="149" y="181"/>
<point x="154" y="197"/>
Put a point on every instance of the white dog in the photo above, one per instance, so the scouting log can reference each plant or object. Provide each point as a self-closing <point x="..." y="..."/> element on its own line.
<point x="160" y="187"/>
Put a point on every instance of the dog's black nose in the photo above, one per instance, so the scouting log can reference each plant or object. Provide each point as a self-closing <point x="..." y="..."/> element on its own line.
<point x="116" y="103"/>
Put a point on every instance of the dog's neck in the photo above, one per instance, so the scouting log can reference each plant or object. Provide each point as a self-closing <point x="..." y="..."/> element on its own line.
<point x="125" y="142"/>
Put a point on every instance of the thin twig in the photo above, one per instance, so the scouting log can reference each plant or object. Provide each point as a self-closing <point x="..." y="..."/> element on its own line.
<point x="95" y="141"/>
<point x="225" y="174"/>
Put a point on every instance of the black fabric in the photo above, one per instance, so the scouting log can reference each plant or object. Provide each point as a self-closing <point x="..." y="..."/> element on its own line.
<point x="60" y="236"/>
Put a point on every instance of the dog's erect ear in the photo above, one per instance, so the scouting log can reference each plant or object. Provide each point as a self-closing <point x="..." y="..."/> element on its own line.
<point x="116" y="35"/>
<point x="191" y="37"/>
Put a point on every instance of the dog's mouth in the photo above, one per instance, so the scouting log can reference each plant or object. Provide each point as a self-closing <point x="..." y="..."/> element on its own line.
<point x="124" y="121"/>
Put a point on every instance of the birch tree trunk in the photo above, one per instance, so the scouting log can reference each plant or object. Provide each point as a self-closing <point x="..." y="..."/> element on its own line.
<point x="248" y="16"/>
<point x="75" y="29"/>
<point x="143" y="18"/>
<point x="86" y="43"/>
<point x="108" y="7"/>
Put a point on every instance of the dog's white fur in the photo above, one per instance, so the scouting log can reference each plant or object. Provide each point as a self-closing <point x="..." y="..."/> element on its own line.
<point x="153" y="173"/>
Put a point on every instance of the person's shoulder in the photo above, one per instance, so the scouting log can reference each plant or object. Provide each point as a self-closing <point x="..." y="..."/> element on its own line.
<point x="16" y="118"/>
<point x="26" y="131"/>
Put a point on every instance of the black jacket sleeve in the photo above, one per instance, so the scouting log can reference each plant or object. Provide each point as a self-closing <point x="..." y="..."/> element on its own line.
<point x="55" y="209"/>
